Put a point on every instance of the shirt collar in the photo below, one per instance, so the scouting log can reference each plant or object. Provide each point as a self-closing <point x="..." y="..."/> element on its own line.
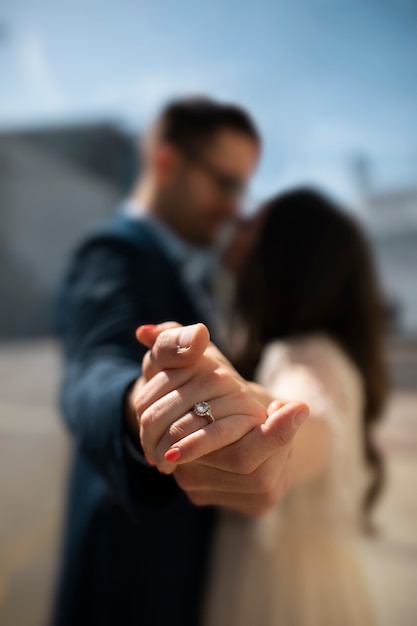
<point x="196" y="263"/>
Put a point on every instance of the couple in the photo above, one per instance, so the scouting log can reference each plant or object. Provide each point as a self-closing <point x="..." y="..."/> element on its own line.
<point x="206" y="493"/>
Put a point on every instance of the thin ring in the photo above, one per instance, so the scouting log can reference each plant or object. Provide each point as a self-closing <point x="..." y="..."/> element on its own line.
<point x="203" y="409"/>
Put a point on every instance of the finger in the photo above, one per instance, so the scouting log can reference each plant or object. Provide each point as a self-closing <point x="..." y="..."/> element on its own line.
<point x="172" y="393"/>
<point x="168" y="350"/>
<point x="262" y="441"/>
<point x="219" y="434"/>
<point x="176" y="348"/>
<point x="171" y="418"/>
<point x="149" y="367"/>
<point x="262" y="478"/>
<point x="192" y="445"/>
<point x="281" y="425"/>
<point x="160" y="385"/>
<point x="275" y="405"/>
<point x="198" y="477"/>
<point x="256" y="503"/>
<point x="148" y="333"/>
<point x="149" y="364"/>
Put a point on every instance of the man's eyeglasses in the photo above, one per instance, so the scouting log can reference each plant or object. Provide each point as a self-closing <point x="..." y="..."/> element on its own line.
<point x="230" y="186"/>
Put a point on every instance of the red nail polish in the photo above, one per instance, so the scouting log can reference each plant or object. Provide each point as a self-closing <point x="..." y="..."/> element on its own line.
<point x="147" y="326"/>
<point x="172" y="455"/>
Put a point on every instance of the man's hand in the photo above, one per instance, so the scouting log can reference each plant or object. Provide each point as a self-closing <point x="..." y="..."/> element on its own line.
<point x="182" y="368"/>
<point x="252" y="474"/>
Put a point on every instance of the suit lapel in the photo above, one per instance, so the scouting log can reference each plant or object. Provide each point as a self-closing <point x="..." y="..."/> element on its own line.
<point x="165" y="273"/>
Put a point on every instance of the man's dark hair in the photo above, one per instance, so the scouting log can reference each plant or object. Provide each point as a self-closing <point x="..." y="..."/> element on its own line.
<point x="189" y="123"/>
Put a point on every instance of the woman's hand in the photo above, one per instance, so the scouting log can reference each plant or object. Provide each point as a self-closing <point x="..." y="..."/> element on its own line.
<point x="181" y="369"/>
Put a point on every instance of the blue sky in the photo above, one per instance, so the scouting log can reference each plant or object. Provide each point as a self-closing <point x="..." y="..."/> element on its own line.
<point x="326" y="80"/>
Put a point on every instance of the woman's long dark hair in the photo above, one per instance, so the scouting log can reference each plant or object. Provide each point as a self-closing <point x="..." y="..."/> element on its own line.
<point x="310" y="271"/>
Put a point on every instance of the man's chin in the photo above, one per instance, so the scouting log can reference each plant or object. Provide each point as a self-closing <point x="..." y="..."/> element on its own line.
<point x="204" y="241"/>
<point x="208" y="238"/>
<point x="205" y="236"/>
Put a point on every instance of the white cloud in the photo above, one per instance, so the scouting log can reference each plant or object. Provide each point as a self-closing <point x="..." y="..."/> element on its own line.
<point x="36" y="72"/>
<point x="29" y="87"/>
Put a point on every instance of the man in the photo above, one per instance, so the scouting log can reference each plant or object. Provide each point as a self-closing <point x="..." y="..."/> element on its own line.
<point x="138" y="539"/>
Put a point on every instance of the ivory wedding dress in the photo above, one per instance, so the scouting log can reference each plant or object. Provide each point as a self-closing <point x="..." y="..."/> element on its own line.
<point x="298" y="565"/>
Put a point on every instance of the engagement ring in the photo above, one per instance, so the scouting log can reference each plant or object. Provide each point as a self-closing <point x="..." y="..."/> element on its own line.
<point x="203" y="409"/>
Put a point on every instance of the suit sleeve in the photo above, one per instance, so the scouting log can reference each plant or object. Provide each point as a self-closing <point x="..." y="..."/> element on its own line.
<point x="99" y="310"/>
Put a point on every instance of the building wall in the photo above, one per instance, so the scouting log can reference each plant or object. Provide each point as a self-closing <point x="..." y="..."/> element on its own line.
<point x="391" y="221"/>
<point x="397" y="262"/>
<point x="46" y="205"/>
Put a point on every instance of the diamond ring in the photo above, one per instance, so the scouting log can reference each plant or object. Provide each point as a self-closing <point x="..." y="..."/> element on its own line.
<point x="203" y="409"/>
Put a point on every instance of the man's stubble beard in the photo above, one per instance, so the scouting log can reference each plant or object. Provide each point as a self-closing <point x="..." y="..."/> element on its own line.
<point x="178" y="213"/>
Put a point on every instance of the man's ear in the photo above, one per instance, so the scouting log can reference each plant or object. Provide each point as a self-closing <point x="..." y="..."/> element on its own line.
<point x="165" y="162"/>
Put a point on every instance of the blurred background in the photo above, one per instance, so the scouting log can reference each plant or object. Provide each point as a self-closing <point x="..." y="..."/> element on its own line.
<point x="332" y="85"/>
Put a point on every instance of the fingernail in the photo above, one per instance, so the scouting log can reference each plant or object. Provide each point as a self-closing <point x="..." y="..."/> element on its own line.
<point x="300" y="417"/>
<point x="185" y="338"/>
<point x="147" y="326"/>
<point x="172" y="455"/>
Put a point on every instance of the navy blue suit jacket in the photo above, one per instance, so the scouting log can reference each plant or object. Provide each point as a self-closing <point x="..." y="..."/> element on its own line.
<point x="135" y="549"/>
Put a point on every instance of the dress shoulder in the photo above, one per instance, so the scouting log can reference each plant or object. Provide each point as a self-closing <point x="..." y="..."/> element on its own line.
<point x="334" y="378"/>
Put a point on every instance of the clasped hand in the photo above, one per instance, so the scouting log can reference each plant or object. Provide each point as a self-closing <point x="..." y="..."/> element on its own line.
<point x="241" y="459"/>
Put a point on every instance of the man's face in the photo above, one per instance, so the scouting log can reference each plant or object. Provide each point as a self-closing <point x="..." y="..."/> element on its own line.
<point x="205" y="191"/>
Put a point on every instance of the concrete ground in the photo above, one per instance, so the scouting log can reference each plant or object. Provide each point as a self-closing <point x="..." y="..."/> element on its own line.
<point x="34" y="454"/>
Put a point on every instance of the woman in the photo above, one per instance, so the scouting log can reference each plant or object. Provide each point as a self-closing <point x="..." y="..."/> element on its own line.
<point x="311" y="320"/>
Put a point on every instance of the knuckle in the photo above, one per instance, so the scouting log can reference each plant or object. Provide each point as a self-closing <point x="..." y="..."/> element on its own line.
<point x="246" y="463"/>
<point x="263" y="504"/>
<point x="238" y="462"/>
<point x="177" y="430"/>
<point x="260" y="413"/>
<point x="263" y="483"/>
<point x="224" y="377"/>
<point x="139" y="402"/>
<point x="146" y="449"/>
<point x="197" y="497"/>
<point x="255" y="410"/>
<point x="165" y="339"/>
<point x="283" y="437"/>
<point x="147" y="418"/>
<point x="147" y="364"/>
<point x="214" y="376"/>
<point x="221" y="433"/>
<point x="185" y="480"/>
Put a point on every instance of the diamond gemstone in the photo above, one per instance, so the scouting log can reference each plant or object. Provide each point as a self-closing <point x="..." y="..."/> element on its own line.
<point x="201" y="408"/>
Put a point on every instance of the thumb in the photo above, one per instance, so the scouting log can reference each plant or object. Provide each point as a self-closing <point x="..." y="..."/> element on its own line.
<point x="283" y="422"/>
<point x="147" y="334"/>
<point x="175" y="348"/>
